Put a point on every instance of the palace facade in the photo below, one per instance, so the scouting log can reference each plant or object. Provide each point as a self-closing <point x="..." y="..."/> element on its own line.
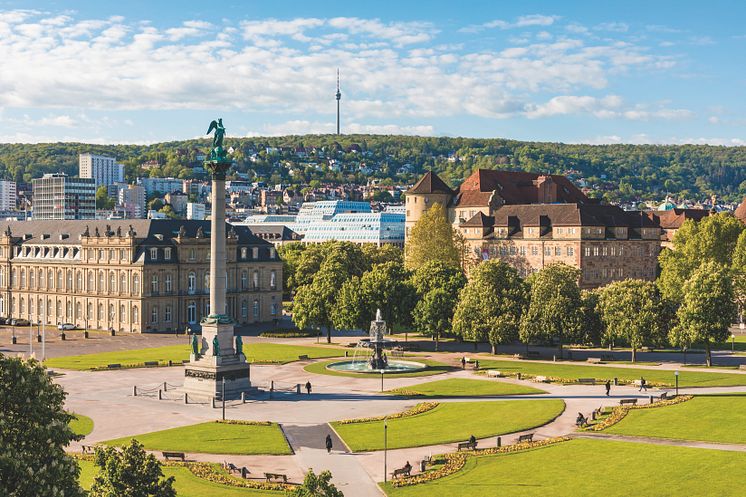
<point x="530" y="221"/>
<point x="133" y="276"/>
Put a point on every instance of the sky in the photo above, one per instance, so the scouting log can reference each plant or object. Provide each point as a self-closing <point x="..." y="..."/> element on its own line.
<point x="575" y="71"/>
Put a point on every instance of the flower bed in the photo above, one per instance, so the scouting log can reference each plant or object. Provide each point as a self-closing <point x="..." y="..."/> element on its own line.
<point x="209" y="472"/>
<point x="418" y="409"/>
<point x="243" y="422"/>
<point x="619" y="412"/>
<point x="454" y="461"/>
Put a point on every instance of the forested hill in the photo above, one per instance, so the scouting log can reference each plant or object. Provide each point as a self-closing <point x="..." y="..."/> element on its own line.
<point x="620" y="172"/>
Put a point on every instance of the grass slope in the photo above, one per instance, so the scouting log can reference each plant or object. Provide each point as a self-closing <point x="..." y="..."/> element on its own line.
<point x="451" y="422"/>
<point x="215" y="438"/>
<point x="186" y="484"/>
<point x="81" y="425"/>
<point x="434" y="367"/>
<point x="573" y="372"/>
<point x="711" y="418"/>
<point x="593" y="467"/>
<point x="258" y="353"/>
<point x="457" y="387"/>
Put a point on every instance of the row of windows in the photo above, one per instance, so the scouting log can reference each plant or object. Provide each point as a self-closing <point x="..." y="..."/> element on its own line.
<point x="534" y="250"/>
<point x="23" y="305"/>
<point x="614" y="251"/>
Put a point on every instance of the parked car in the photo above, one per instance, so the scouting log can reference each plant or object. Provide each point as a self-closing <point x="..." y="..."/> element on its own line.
<point x="20" y="322"/>
<point x="66" y="326"/>
<point x="3" y="320"/>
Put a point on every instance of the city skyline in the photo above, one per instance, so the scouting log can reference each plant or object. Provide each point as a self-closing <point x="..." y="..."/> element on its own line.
<point x="142" y="73"/>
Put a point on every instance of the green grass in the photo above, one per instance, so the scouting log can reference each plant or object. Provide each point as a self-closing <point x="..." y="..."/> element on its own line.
<point x="572" y="372"/>
<point x="215" y="438"/>
<point x="711" y="418"/>
<point x="456" y="387"/>
<point x="433" y="367"/>
<point x="451" y="422"/>
<point x="258" y="353"/>
<point x="81" y="425"/>
<point x="186" y="483"/>
<point x="593" y="467"/>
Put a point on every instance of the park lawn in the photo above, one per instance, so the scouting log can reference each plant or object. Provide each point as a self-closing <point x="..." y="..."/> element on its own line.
<point x="457" y="387"/>
<point x="571" y="372"/>
<point x="215" y="438"/>
<point x="81" y="425"/>
<point x="451" y="422"/>
<point x="433" y="368"/>
<point x="709" y="418"/>
<point x="186" y="483"/>
<point x="258" y="353"/>
<point x="593" y="467"/>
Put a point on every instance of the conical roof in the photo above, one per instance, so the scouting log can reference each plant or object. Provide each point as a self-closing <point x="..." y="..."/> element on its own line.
<point x="430" y="183"/>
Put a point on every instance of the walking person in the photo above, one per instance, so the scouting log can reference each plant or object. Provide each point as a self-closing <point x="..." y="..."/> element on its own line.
<point x="608" y="387"/>
<point x="308" y="387"/>
<point x="463" y="362"/>
<point x="328" y="444"/>
<point x="643" y="385"/>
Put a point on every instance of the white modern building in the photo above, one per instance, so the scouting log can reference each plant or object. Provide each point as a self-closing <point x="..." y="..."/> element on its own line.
<point x="161" y="185"/>
<point x="379" y="228"/>
<point x="7" y="195"/>
<point x="131" y="200"/>
<point x="312" y="213"/>
<point x="103" y="170"/>
<point x="57" y="196"/>
<point x="195" y="211"/>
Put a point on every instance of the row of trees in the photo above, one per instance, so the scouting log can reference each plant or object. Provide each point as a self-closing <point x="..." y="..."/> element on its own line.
<point x="340" y="285"/>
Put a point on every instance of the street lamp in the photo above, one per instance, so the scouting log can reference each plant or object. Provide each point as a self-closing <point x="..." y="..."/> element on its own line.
<point x="223" y="396"/>
<point x="676" y="376"/>
<point x="381" y="379"/>
<point x="732" y="343"/>
<point x="385" y="449"/>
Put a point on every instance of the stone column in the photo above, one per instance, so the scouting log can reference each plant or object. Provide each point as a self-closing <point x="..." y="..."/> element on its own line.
<point x="217" y="247"/>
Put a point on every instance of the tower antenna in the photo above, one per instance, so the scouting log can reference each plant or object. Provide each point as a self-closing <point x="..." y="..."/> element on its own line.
<point x="338" y="95"/>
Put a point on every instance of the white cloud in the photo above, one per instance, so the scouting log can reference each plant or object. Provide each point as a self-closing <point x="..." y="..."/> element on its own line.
<point x="520" y="22"/>
<point x="614" y="27"/>
<point x="302" y="127"/>
<point x="571" y="104"/>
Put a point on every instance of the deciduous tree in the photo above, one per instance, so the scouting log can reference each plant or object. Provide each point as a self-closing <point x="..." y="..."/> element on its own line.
<point x="431" y="239"/>
<point x="130" y="471"/>
<point x="317" y="486"/>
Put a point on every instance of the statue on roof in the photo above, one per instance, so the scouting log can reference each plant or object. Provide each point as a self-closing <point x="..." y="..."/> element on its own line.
<point x="8" y="232"/>
<point x="96" y="232"/>
<point x="200" y="232"/>
<point x="131" y="232"/>
<point x="182" y="231"/>
<point x="87" y="231"/>
<point x="109" y="232"/>
<point x="232" y="233"/>
<point x="119" y="231"/>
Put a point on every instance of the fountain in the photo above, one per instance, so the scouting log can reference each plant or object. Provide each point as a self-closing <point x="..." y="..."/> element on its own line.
<point x="377" y="361"/>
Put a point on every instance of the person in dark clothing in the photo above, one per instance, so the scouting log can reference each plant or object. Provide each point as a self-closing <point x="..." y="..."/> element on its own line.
<point x="581" y="420"/>
<point x="463" y="363"/>
<point x="472" y="439"/>
<point x="608" y="387"/>
<point x="407" y="468"/>
<point x="308" y="387"/>
<point x="643" y="384"/>
<point x="328" y="444"/>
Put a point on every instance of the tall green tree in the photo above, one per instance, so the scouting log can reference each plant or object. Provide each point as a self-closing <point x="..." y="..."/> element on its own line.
<point x="433" y="314"/>
<point x="490" y="305"/>
<point x="103" y="201"/>
<point x="431" y="239"/>
<point x="384" y="253"/>
<point x="131" y="472"/>
<point x="315" y="302"/>
<point x="555" y="311"/>
<point x="708" y="308"/>
<point x="713" y="239"/>
<point x="592" y="325"/>
<point x="317" y="486"/>
<point x="738" y="270"/>
<point x="34" y="431"/>
<point x="437" y="274"/>
<point x="290" y="253"/>
<point x="630" y="310"/>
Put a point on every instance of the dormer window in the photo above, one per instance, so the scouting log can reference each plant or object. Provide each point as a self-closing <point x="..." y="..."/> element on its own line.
<point x="167" y="253"/>
<point x="244" y="252"/>
<point x="154" y="254"/>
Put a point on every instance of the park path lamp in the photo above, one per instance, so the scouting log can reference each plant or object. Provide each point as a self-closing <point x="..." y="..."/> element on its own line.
<point x="732" y="343"/>
<point x="13" y="338"/>
<point x="222" y="395"/>
<point x="385" y="448"/>
<point x="38" y="333"/>
<point x="676" y="376"/>
<point x="381" y="379"/>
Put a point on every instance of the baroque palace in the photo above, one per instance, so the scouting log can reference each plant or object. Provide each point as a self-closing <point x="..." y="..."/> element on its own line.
<point x="132" y="276"/>
<point x="530" y="220"/>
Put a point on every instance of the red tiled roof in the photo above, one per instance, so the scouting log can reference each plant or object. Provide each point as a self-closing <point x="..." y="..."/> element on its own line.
<point x="572" y="215"/>
<point x="674" y="218"/>
<point x="479" y="220"/>
<point x="741" y="211"/>
<point x="515" y="187"/>
<point x="430" y="183"/>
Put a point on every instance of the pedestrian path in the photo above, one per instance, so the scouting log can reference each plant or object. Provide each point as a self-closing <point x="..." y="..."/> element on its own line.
<point x="661" y="441"/>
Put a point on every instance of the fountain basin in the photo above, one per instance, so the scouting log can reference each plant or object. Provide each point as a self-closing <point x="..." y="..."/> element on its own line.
<point x="394" y="366"/>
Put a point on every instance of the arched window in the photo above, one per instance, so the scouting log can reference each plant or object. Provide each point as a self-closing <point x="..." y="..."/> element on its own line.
<point x="79" y="281"/>
<point x="91" y="282"/>
<point x="112" y="281"/>
<point x="22" y="308"/>
<point x="244" y="309"/>
<point x="69" y="280"/>
<point x="112" y="315"/>
<point x="135" y="314"/>
<point x="255" y="280"/>
<point x="49" y="310"/>
<point x="256" y="309"/>
<point x="32" y="279"/>
<point x="273" y="279"/>
<point x="50" y="279"/>
<point x="192" y="282"/>
<point x="122" y="313"/>
<point x="192" y="312"/>
<point x="31" y="307"/>
<point x="136" y="284"/>
<point x="14" y="278"/>
<point x="207" y="280"/>
<point x="100" y="315"/>
<point x="89" y="311"/>
<point x="58" y="315"/>
<point x="69" y="310"/>
<point x="244" y="280"/>
<point x="101" y="282"/>
<point x="23" y="278"/>
<point x="78" y="312"/>
<point x="123" y="283"/>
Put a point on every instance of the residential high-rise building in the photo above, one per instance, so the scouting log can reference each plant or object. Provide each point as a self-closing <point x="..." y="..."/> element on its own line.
<point x="57" y="196"/>
<point x="195" y="211"/>
<point x="131" y="200"/>
<point x="7" y="195"/>
<point x="103" y="170"/>
<point x="161" y="186"/>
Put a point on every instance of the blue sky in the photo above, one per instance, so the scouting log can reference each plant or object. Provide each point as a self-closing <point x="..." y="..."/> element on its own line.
<point x="591" y="72"/>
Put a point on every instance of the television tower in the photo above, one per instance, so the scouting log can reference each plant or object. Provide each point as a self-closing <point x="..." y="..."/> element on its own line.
<point x="338" y="96"/>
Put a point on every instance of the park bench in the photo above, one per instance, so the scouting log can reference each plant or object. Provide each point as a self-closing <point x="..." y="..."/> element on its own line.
<point x="88" y="449"/>
<point x="401" y="472"/>
<point x="173" y="455"/>
<point x="541" y="379"/>
<point x="528" y="437"/>
<point x="244" y="472"/>
<point x="586" y="381"/>
<point x="424" y="462"/>
<point x="742" y="366"/>
<point x="664" y="396"/>
<point x="230" y="467"/>
<point x="149" y="364"/>
<point x="467" y="445"/>
<point x="627" y="401"/>
<point x="303" y="357"/>
<point x="113" y="366"/>
<point x="594" y="360"/>
<point x="493" y="373"/>
<point x="276" y="476"/>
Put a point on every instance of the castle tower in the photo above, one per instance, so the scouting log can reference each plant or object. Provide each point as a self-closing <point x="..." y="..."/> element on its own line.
<point x="430" y="189"/>
<point x="338" y="96"/>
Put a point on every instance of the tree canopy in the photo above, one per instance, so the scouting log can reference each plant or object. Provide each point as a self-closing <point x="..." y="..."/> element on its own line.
<point x="129" y="471"/>
<point x="431" y="239"/>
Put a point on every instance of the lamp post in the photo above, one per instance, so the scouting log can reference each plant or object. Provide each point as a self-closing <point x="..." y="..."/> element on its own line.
<point x="43" y="339"/>
<point x="732" y="343"/>
<point x="222" y="395"/>
<point x="13" y="338"/>
<point x="381" y="380"/>
<point x="676" y="376"/>
<point x="385" y="449"/>
<point x="38" y="332"/>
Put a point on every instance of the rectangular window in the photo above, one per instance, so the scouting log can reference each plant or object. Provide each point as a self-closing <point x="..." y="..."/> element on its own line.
<point x="595" y="251"/>
<point x="167" y="314"/>
<point x="167" y="253"/>
<point x="192" y="254"/>
<point x="570" y="251"/>
<point x="547" y="251"/>
<point x="534" y="250"/>
<point x="558" y="251"/>
<point x="168" y="282"/>
<point x="605" y="251"/>
<point x="154" y="254"/>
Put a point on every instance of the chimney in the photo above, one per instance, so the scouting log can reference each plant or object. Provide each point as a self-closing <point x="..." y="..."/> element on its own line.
<point x="546" y="190"/>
